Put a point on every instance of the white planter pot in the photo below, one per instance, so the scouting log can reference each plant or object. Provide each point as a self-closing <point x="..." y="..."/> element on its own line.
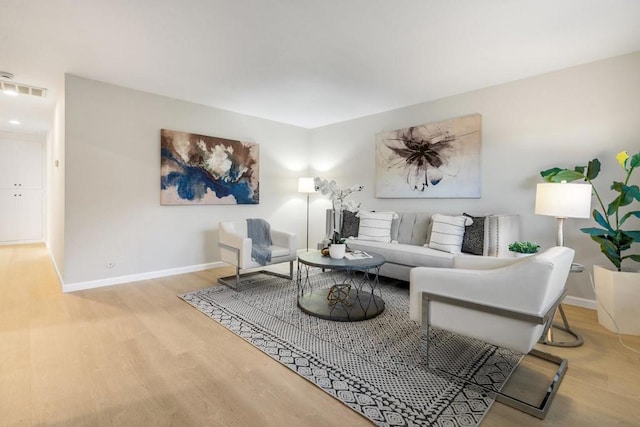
<point x="520" y="255"/>
<point x="337" y="250"/>
<point x="619" y="293"/>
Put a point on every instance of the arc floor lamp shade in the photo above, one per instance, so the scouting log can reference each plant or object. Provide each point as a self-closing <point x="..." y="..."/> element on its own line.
<point x="306" y="185"/>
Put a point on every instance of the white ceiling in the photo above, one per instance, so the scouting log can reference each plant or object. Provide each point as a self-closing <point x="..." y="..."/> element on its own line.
<point x="304" y="62"/>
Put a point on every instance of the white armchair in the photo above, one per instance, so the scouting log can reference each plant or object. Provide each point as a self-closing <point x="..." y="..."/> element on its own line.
<point x="507" y="303"/>
<point x="235" y="249"/>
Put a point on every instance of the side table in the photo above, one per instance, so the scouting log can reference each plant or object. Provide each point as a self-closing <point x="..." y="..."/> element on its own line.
<point x="578" y="340"/>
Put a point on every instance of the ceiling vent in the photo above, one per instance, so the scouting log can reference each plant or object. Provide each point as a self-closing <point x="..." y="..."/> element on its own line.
<point x="23" y="89"/>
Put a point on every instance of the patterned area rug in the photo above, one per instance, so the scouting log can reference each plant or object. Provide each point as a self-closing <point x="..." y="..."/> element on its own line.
<point x="374" y="366"/>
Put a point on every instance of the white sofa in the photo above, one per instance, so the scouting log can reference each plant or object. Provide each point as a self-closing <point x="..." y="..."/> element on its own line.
<point x="410" y="232"/>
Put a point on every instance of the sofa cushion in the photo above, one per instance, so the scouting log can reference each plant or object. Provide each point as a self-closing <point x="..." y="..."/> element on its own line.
<point x="375" y="226"/>
<point x="502" y="230"/>
<point x="404" y="254"/>
<point x="447" y="232"/>
<point x="350" y="224"/>
<point x="473" y="239"/>
<point x="277" y="251"/>
<point x="413" y="228"/>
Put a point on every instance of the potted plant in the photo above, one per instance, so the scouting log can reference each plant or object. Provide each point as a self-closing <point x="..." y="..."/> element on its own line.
<point x="617" y="289"/>
<point x="520" y="249"/>
<point x="337" y="246"/>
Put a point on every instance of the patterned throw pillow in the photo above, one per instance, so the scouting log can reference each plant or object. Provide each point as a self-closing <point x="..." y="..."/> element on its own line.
<point x="375" y="226"/>
<point x="447" y="232"/>
<point x="350" y="224"/>
<point x="473" y="240"/>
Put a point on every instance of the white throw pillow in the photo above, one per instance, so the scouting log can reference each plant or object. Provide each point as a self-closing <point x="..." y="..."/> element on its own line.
<point x="447" y="232"/>
<point x="375" y="226"/>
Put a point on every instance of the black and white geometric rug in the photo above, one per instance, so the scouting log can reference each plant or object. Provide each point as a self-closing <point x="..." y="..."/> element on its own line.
<point x="373" y="366"/>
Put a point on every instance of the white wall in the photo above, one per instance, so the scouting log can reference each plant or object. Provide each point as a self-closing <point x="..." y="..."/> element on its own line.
<point x="55" y="172"/>
<point x="112" y="209"/>
<point x="560" y="119"/>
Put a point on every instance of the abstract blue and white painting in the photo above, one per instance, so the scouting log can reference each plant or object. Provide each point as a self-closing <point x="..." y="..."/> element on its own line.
<point x="435" y="160"/>
<point x="206" y="170"/>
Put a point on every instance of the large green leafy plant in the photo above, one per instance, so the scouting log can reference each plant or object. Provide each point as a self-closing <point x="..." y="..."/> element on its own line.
<point x="610" y="235"/>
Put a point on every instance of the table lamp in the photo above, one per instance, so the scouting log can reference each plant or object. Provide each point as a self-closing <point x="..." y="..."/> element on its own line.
<point x="306" y="185"/>
<point x="563" y="200"/>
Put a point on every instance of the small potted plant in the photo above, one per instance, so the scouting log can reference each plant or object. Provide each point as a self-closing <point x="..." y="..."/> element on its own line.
<point x="337" y="247"/>
<point x="520" y="249"/>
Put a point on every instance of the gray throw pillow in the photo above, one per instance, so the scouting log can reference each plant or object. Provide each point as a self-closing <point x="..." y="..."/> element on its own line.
<point x="350" y="224"/>
<point x="473" y="239"/>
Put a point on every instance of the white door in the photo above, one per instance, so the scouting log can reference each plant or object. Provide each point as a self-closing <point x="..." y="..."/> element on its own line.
<point x="8" y="215"/>
<point x="8" y="164"/>
<point x="21" y="194"/>
<point x="30" y="215"/>
<point x="30" y="164"/>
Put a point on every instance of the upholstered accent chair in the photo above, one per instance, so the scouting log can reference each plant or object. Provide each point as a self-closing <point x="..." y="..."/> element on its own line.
<point x="235" y="249"/>
<point x="505" y="302"/>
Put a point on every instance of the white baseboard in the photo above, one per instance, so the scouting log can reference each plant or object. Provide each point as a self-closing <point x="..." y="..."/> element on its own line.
<point x="21" y="242"/>
<point x="73" y="287"/>
<point x="581" y="302"/>
<point x="55" y="266"/>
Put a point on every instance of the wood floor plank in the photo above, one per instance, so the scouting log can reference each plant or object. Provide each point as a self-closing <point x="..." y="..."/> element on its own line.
<point x="135" y="354"/>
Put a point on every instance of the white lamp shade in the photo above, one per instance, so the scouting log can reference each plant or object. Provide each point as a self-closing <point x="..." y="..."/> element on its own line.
<point x="306" y="185"/>
<point x="564" y="200"/>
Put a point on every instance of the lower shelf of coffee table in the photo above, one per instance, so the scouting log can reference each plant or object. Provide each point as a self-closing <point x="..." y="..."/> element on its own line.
<point x="358" y="305"/>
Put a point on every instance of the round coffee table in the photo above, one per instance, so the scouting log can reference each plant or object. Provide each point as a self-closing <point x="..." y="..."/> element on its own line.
<point x="352" y="293"/>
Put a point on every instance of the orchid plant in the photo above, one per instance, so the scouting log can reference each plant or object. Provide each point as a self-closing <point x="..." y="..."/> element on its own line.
<point x="339" y="203"/>
<point x="613" y="240"/>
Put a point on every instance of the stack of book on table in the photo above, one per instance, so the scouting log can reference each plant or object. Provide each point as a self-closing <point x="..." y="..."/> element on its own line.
<point x="357" y="255"/>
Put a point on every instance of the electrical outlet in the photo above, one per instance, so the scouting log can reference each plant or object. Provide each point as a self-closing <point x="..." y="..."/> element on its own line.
<point x="111" y="264"/>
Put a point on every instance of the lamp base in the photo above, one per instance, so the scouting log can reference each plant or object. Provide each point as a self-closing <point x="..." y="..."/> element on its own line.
<point x="577" y="338"/>
<point x="560" y="236"/>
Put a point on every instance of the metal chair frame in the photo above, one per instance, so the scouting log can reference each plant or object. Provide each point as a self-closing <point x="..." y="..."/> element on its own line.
<point x="539" y="411"/>
<point x="235" y="282"/>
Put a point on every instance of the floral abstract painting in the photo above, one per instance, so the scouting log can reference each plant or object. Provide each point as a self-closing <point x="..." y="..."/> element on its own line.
<point x="205" y="170"/>
<point x="436" y="160"/>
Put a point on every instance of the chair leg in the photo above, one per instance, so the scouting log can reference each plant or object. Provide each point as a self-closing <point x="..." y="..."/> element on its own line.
<point x="538" y="411"/>
<point x="235" y="284"/>
<point x="284" y="276"/>
<point x="229" y="280"/>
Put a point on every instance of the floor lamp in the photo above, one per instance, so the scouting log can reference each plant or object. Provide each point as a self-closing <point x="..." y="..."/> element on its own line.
<point x="306" y="185"/>
<point x="563" y="200"/>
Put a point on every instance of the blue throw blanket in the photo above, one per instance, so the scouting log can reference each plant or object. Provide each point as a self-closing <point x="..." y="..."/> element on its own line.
<point x="259" y="231"/>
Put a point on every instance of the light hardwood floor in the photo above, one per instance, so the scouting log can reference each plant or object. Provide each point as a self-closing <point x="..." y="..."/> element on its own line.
<point x="136" y="355"/>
